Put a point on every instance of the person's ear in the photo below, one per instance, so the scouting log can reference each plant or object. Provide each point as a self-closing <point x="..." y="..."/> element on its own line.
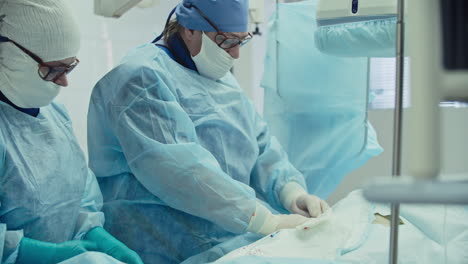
<point x="189" y="33"/>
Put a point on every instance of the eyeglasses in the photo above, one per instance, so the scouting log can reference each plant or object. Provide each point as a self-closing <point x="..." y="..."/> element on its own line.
<point x="46" y="72"/>
<point x="224" y="41"/>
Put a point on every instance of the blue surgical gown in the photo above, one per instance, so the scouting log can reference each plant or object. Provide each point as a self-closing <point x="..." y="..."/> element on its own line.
<point x="179" y="158"/>
<point x="47" y="191"/>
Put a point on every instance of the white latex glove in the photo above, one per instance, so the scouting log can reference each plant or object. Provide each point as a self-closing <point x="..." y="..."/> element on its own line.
<point x="264" y="222"/>
<point x="289" y="221"/>
<point x="309" y="206"/>
<point x="297" y="201"/>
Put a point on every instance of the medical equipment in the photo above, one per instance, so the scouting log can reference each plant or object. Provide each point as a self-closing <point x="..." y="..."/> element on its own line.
<point x="257" y="14"/>
<point x="116" y="8"/>
<point x="344" y="11"/>
<point x="436" y="74"/>
<point x="356" y="28"/>
<point x="433" y="65"/>
<point x="427" y="72"/>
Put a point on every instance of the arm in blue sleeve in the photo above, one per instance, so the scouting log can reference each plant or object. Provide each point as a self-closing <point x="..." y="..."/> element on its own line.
<point x="9" y="240"/>
<point x="161" y="147"/>
<point x="272" y="170"/>
<point x="90" y="215"/>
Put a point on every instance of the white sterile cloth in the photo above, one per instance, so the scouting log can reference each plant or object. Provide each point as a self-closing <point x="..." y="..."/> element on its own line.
<point x="325" y="237"/>
<point x="349" y="234"/>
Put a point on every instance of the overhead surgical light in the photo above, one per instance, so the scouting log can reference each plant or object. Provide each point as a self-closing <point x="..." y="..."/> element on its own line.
<point x="116" y="8"/>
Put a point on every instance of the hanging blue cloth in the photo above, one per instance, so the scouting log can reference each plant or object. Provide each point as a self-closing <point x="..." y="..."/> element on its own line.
<point x="372" y="37"/>
<point x="316" y="104"/>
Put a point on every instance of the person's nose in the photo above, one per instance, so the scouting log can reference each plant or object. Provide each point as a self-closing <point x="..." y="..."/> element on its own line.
<point x="234" y="52"/>
<point x="62" y="80"/>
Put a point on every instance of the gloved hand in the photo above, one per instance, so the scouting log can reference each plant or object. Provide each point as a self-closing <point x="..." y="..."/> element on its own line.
<point x="111" y="246"/>
<point x="308" y="205"/>
<point x="34" y="251"/>
<point x="264" y="222"/>
<point x="285" y="221"/>
<point x="297" y="201"/>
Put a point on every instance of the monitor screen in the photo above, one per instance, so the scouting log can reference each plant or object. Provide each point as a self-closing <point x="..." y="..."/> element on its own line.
<point x="455" y="34"/>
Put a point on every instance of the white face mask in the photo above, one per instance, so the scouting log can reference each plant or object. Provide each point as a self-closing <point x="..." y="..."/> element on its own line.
<point x="20" y="82"/>
<point x="212" y="61"/>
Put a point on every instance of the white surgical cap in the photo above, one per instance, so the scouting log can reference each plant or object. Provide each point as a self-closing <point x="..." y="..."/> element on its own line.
<point x="45" y="27"/>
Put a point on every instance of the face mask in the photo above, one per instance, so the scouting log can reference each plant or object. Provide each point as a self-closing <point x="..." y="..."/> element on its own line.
<point x="20" y="82"/>
<point x="212" y="61"/>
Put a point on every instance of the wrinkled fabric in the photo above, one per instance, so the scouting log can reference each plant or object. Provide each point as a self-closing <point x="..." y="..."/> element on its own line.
<point x="179" y="157"/>
<point x="371" y="38"/>
<point x="430" y="234"/>
<point x="334" y="233"/>
<point x="47" y="191"/>
<point x="224" y="248"/>
<point x="92" y="257"/>
<point x="417" y="239"/>
<point x="228" y="16"/>
<point x="314" y="103"/>
<point x="270" y="260"/>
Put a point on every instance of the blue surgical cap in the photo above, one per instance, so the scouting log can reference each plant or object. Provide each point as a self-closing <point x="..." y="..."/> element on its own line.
<point x="227" y="15"/>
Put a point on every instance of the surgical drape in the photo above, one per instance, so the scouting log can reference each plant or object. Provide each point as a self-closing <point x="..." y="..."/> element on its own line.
<point x="316" y="104"/>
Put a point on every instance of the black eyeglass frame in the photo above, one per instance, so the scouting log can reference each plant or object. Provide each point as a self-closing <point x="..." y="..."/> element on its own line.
<point x="46" y="72"/>
<point x="221" y="41"/>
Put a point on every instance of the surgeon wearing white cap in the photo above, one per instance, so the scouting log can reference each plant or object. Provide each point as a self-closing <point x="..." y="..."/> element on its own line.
<point x="179" y="151"/>
<point x="49" y="199"/>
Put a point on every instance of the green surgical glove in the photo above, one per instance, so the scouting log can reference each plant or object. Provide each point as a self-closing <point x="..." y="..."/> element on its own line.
<point x="111" y="246"/>
<point x="39" y="252"/>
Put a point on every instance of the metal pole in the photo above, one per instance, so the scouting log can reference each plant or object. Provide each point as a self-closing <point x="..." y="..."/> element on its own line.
<point x="277" y="48"/>
<point x="397" y="133"/>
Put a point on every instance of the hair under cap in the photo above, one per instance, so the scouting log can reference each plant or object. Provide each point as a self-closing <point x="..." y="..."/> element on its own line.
<point x="45" y="27"/>
<point x="227" y="15"/>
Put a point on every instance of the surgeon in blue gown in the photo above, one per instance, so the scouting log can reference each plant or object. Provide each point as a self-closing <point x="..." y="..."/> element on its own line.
<point x="182" y="158"/>
<point x="49" y="200"/>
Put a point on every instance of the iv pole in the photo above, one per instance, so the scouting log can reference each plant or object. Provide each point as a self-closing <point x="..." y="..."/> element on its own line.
<point x="397" y="129"/>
